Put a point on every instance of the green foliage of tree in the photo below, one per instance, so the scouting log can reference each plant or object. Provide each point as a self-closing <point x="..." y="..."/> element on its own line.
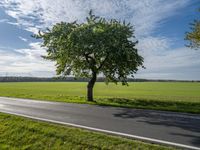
<point x="98" y="46"/>
<point x="194" y="35"/>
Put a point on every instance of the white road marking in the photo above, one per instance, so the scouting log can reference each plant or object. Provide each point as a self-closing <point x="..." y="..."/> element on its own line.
<point x="2" y="105"/>
<point x="109" y="132"/>
<point x="27" y="100"/>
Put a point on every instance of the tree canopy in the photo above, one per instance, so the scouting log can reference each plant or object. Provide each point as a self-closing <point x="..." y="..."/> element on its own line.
<point x="194" y="35"/>
<point x="97" y="46"/>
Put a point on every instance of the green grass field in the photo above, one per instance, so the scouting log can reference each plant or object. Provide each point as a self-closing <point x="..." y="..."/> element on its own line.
<point x="173" y="96"/>
<point x="18" y="133"/>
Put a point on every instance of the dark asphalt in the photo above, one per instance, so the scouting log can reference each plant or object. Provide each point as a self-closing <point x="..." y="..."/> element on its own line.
<point x="179" y="128"/>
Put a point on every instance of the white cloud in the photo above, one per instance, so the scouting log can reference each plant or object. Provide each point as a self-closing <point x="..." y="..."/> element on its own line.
<point x="153" y="45"/>
<point x="158" y="54"/>
<point x="25" y="62"/>
<point x="164" y="62"/>
<point x="181" y="63"/>
<point x="3" y="20"/>
<point x="23" y="39"/>
<point x="145" y="15"/>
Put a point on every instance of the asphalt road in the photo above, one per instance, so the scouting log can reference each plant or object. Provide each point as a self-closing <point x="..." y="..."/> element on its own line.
<point x="181" y="128"/>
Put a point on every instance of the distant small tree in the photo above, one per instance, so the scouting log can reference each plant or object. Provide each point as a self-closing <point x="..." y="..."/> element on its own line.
<point x="194" y="35"/>
<point x="98" y="46"/>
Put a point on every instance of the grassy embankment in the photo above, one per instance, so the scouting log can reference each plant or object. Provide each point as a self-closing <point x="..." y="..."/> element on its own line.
<point x="18" y="133"/>
<point x="172" y="96"/>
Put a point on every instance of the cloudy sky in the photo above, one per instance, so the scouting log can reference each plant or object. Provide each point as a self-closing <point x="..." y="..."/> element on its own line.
<point x="160" y="27"/>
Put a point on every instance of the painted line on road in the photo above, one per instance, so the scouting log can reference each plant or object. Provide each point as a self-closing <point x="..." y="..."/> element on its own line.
<point x="152" y="140"/>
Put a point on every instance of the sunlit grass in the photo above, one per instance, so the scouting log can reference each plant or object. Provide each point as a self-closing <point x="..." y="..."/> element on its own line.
<point x="17" y="133"/>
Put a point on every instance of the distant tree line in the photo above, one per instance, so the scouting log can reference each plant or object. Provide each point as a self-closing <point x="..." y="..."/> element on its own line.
<point x="72" y="79"/>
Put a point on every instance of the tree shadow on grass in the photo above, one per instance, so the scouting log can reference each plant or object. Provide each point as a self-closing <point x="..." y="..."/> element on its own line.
<point x="177" y="106"/>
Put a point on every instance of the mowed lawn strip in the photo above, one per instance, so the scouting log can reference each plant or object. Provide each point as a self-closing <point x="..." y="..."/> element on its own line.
<point x="20" y="133"/>
<point x="171" y="96"/>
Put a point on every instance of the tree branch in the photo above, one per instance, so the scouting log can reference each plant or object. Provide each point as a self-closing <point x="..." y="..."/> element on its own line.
<point x="103" y="62"/>
<point x="93" y="67"/>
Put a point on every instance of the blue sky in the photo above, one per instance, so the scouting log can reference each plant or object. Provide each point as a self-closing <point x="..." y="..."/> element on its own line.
<point x="160" y="28"/>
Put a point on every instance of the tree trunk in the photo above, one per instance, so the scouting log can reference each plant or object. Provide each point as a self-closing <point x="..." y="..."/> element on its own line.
<point x="90" y="87"/>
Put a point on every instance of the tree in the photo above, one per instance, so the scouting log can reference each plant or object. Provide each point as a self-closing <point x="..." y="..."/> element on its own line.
<point x="98" y="46"/>
<point x="194" y="36"/>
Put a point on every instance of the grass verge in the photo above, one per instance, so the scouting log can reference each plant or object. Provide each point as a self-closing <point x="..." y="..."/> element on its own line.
<point x="175" y="106"/>
<point x="18" y="133"/>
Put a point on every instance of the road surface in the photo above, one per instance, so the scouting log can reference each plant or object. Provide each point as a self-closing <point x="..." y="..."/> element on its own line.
<point x="155" y="126"/>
